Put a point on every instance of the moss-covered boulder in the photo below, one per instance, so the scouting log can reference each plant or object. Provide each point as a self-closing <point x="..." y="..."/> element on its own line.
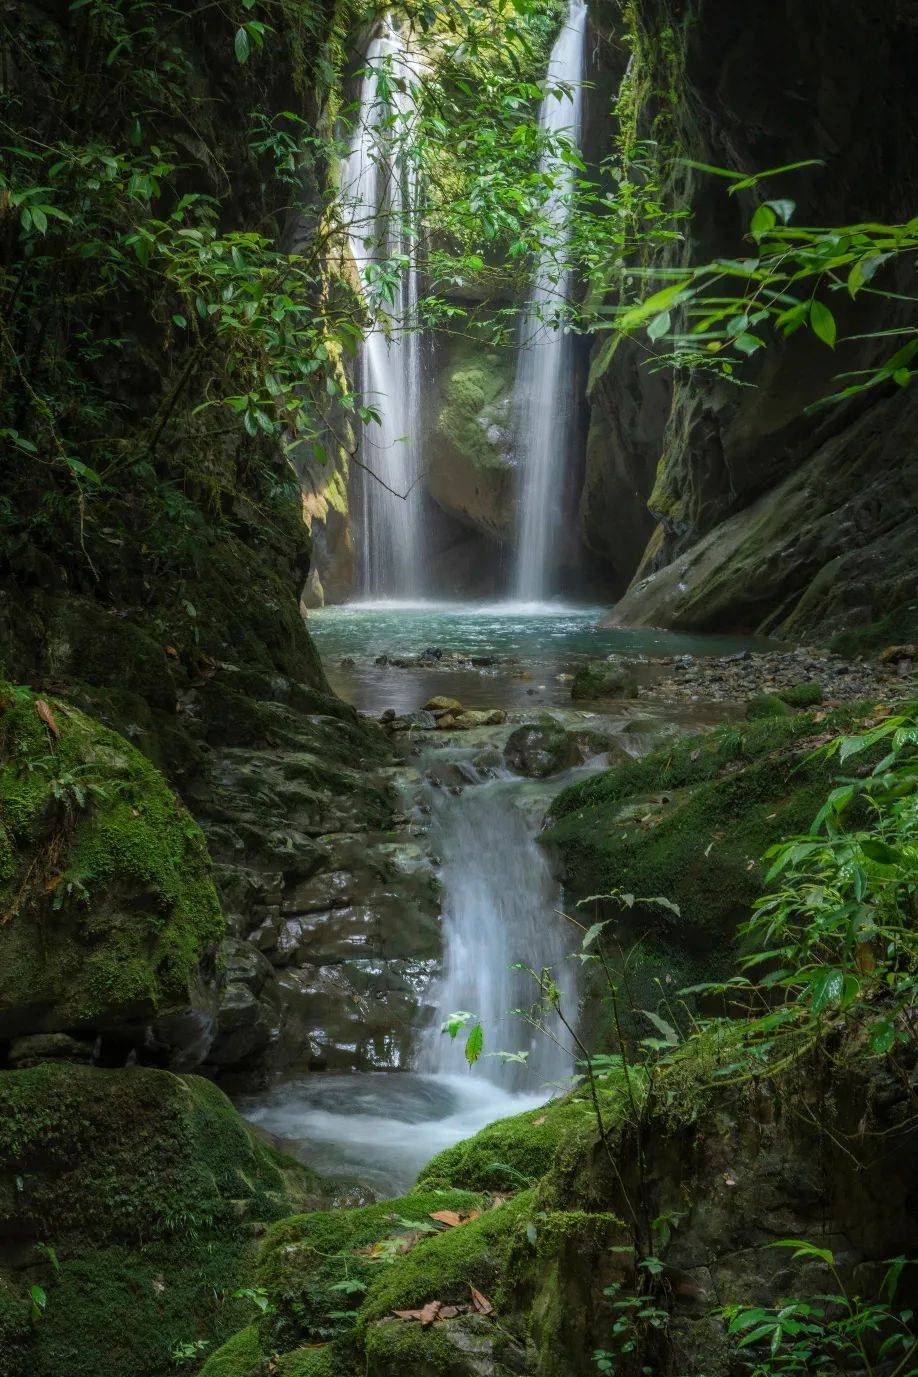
<point x="471" y="473"/>
<point x="541" y="748"/>
<point x="315" y="1268"/>
<point x="690" y="822"/>
<point x="105" y="885"/>
<point x="133" y="1198"/>
<point x="600" y="679"/>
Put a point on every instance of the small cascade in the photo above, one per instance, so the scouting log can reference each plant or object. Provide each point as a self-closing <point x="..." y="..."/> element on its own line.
<point x="379" y="197"/>
<point x="543" y="400"/>
<point x="500" y="906"/>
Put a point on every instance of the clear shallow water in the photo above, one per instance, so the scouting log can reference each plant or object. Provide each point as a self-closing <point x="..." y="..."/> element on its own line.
<point x="543" y="640"/>
<point x="539" y="632"/>
<point x="380" y="1128"/>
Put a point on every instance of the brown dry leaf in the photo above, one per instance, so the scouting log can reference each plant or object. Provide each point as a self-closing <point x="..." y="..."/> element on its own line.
<point x="480" y="1302"/>
<point x="449" y="1312"/>
<point x="448" y="1217"/>
<point x="47" y="716"/>
<point x="171" y="651"/>
<point x="540" y="1120"/>
<point x="427" y="1315"/>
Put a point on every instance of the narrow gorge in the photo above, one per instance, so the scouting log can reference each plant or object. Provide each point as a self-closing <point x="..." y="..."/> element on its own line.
<point x="458" y="721"/>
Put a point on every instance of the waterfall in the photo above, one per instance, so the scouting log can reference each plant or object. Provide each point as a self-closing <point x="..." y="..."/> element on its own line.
<point x="543" y="401"/>
<point x="500" y="906"/>
<point x="379" y="194"/>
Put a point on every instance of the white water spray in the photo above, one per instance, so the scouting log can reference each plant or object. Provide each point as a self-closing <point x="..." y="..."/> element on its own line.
<point x="379" y="196"/>
<point x="543" y="400"/>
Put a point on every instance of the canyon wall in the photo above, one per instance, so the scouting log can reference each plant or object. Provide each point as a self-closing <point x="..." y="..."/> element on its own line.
<point x="758" y="517"/>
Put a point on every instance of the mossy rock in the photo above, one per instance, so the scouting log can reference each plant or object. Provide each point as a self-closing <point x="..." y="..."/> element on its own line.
<point x="599" y="679"/>
<point x="691" y="821"/>
<point x="237" y="1357"/>
<point x="766" y="705"/>
<point x="317" y="1264"/>
<point x="151" y="1190"/>
<point x="104" y="878"/>
<point x="511" y="1153"/>
<point x="805" y="695"/>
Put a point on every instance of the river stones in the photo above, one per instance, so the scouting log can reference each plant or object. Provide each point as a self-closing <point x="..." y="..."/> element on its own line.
<point x="541" y="748"/>
<point x="599" y="679"/>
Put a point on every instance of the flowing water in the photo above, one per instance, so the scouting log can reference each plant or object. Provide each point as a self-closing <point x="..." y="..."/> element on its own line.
<point x="499" y="899"/>
<point x="543" y="394"/>
<point x="501" y="908"/>
<point x="379" y="198"/>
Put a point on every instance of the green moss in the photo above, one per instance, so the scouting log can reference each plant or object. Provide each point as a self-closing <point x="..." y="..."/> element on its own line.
<point x="444" y="1265"/>
<point x="805" y="695"/>
<point x="690" y="821"/>
<point x="511" y="1152"/>
<point x="473" y="387"/>
<point x="327" y="1361"/>
<point x="766" y="705"/>
<point x="899" y="627"/>
<point x="399" y="1349"/>
<point x="599" y="679"/>
<point x="237" y="1357"/>
<point x="104" y="876"/>
<point x="151" y="1188"/>
<point x="16" y="1331"/>
<point x="305" y="1258"/>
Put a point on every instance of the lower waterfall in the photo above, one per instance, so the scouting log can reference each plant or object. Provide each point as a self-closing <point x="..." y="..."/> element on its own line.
<point x="500" y="906"/>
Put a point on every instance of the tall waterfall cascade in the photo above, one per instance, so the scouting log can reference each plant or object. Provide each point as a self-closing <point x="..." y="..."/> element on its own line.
<point x="379" y="190"/>
<point x="543" y="393"/>
<point x="500" y="908"/>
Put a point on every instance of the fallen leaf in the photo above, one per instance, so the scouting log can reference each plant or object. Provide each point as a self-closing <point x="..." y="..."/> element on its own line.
<point x="480" y="1302"/>
<point x="426" y="1315"/>
<point x="452" y="1218"/>
<point x="171" y="651"/>
<point x="540" y="1120"/>
<point x="448" y="1217"/>
<point x="47" y="716"/>
<point x="449" y="1312"/>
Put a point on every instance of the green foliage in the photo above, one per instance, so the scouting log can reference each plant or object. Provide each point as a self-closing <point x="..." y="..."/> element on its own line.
<point x="830" y="1332"/>
<point x="712" y="316"/>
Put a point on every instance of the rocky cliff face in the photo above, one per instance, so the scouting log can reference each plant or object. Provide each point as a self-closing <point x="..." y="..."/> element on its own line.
<point x="766" y="519"/>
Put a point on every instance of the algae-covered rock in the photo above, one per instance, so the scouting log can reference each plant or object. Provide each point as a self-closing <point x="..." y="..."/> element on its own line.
<point x="766" y="705"/>
<point x="599" y="679"/>
<point x="151" y="1190"/>
<point x="471" y="473"/>
<point x="541" y="748"/>
<point x="316" y="1267"/>
<point x="690" y="822"/>
<point x="105" y="884"/>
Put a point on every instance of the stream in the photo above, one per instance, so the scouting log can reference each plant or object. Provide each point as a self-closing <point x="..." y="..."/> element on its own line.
<point x="501" y="906"/>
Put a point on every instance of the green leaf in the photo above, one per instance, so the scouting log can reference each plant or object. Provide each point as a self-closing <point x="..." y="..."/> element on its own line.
<point x="243" y="46"/>
<point x="82" y="470"/>
<point x="474" y="1044"/>
<point x="659" y="325"/>
<point x="591" y="935"/>
<point x="762" y="221"/>
<point x="180" y="321"/>
<point x="822" y="322"/>
<point x="668" y="1031"/>
<point x="827" y="989"/>
<point x="876" y="850"/>
<point x="882" y="1037"/>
